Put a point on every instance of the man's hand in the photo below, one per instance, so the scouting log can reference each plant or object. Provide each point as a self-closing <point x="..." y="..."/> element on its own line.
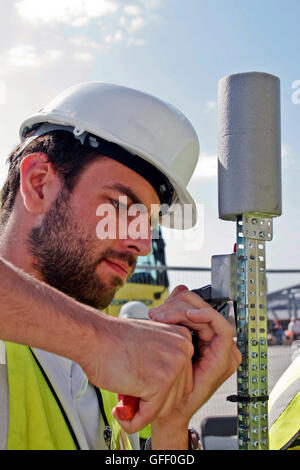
<point x="218" y="359"/>
<point x="144" y="359"/>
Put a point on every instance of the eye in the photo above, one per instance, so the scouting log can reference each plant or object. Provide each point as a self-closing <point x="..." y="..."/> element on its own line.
<point x="115" y="203"/>
<point x="118" y="204"/>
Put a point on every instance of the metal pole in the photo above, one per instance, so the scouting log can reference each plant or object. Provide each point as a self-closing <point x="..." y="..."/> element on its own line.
<point x="251" y="314"/>
<point x="249" y="177"/>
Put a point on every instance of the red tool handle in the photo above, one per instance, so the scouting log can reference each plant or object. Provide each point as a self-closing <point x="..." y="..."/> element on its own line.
<point x="127" y="407"/>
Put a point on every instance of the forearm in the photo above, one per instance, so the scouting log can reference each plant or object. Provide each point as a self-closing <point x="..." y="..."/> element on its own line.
<point x="115" y="354"/>
<point x="37" y="315"/>
<point x="168" y="435"/>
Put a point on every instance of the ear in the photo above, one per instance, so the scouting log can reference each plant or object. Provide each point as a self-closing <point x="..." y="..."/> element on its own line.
<point x="38" y="182"/>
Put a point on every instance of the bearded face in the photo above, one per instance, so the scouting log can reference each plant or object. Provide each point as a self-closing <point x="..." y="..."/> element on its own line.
<point x="68" y="256"/>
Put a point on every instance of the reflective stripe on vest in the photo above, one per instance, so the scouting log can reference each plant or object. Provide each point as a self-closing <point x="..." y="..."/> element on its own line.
<point x="119" y="439"/>
<point x="284" y="410"/>
<point x="37" y="420"/>
<point x="285" y="420"/>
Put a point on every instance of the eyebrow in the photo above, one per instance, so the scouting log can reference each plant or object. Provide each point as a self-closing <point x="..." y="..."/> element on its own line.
<point x="128" y="192"/>
<point x="125" y="190"/>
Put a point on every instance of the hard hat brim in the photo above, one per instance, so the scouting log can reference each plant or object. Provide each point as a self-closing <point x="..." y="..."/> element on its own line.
<point x="182" y="213"/>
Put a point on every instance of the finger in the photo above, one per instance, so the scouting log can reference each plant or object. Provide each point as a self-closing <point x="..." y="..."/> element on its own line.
<point x="165" y="308"/>
<point x="181" y="295"/>
<point x="150" y="410"/>
<point x="177" y="291"/>
<point x="143" y="416"/>
<point x="178" y="316"/>
<point x="217" y="322"/>
<point x="166" y="314"/>
<point x="192" y="298"/>
<point x="147" y="411"/>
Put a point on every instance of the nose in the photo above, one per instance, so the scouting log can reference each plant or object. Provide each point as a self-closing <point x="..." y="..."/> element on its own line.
<point x="138" y="242"/>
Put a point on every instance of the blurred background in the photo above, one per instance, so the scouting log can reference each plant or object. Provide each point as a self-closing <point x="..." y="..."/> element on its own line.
<point x="176" y="50"/>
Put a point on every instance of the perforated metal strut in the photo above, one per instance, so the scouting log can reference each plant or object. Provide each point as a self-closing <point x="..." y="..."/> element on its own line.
<point x="251" y="317"/>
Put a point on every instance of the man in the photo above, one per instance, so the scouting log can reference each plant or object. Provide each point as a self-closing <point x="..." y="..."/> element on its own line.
<point x="95" y="148"/>
<point x="293" y="331"/>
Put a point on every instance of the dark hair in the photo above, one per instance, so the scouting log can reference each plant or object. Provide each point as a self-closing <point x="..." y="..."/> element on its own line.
<point x="67" y="155"/>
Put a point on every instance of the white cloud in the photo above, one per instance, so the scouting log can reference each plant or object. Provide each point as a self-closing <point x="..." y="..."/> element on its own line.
<point x="289" y="158"/>
<point x="207" y="167"/>
<point x="37" y="60"/>
<point x="285" y="151"/>
<point x="211" y="104"/>
<point x="76" y="13"/>
<point x="136" y="23"/>
<point x="115" y="37"/>
<point x="152" y="4"/>
<point x="118" y="35"/>
<point x="85" y="48"/>
<point x="53" y="54"/>
<point x="26" y="55"/>
<point x="108" y="38"/>
<point x="21" y="56"/>
<point x="123" y="21"/>
<point x="83" y="56"/>
<point x="117" y="21"/>
<point x="136" y="42"/>
<point x="83" y="41"/>
<point x="132" y="10"/>
<point x="3" y="92"/>
<point x="155" y="3"/>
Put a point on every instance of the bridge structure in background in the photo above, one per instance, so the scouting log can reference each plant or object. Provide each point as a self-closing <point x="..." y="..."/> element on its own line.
<point x="282" y="304"/>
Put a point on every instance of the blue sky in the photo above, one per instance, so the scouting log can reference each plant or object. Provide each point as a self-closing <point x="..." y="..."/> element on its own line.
<point x="176" y="50"/>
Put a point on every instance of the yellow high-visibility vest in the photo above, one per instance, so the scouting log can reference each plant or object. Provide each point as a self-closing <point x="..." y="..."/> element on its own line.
<point x="37" y="419"/>
<point x="284" y="410"/>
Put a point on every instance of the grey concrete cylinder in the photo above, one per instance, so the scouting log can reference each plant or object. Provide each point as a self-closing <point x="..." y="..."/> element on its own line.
<point x="249" y="145"/>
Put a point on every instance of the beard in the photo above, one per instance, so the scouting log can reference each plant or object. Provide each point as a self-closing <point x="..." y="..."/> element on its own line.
<point x="63" y="255"/>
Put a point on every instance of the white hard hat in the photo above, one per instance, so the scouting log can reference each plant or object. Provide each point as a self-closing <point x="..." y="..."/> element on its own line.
<point x="134" y="309"/>
<point x="135" y="123"/>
